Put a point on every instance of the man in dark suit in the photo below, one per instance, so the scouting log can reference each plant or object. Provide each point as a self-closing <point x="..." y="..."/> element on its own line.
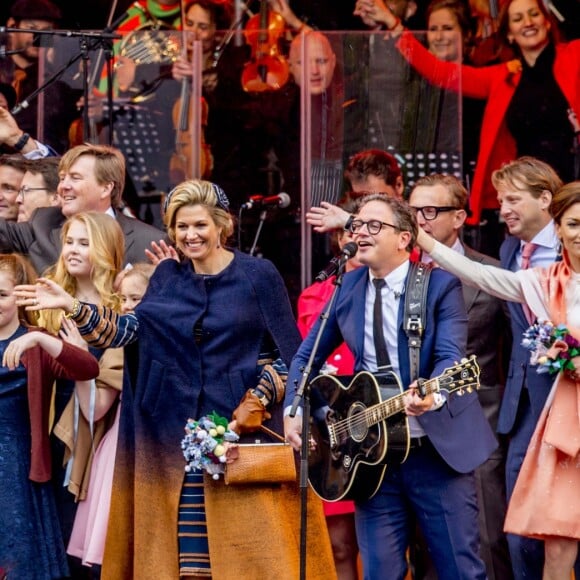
<point x="92" y="178"/>
<point x="439" y="202"/>
<point x="525" y="188"/>
<point x="450" y="436"/>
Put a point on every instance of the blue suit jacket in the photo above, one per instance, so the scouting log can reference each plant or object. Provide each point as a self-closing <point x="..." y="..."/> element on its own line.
<point x="520" y="374"/>
<point x="459" y="430"/>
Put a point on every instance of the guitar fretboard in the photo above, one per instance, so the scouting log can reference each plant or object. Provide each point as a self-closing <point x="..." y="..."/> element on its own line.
<point x="396" y="404"/>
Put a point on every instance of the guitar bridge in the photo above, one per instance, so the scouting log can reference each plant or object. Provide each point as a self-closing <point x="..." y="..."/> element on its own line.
<point x="332" y="436"/>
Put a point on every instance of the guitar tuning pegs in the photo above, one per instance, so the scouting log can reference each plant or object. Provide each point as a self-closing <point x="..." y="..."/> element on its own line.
<point x="461" y="392"/>
<point x="464" y="360"/>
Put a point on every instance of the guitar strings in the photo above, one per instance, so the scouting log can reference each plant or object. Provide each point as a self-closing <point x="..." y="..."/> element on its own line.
<point x="345" y="425"/>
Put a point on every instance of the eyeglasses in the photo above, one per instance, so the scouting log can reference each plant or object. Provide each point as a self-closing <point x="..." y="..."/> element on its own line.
<point x="430" y="212"/>
<point x="24" y="190"/>
<point x="373" y="226"/>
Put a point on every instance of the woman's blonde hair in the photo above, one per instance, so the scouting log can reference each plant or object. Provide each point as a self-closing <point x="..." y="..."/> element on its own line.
<point x="199" y="192"/>
<point x="21" y="272"/>
<point x="106" y="251"/>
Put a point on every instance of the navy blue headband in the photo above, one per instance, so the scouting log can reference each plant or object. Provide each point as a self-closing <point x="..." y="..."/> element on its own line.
<point x="222" y="198"/>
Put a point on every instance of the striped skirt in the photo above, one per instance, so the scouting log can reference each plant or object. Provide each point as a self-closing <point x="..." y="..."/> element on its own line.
<point x="192" y="528"/>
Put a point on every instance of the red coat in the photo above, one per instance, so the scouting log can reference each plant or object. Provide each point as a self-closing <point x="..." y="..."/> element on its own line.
<point x="497" y="85"/>
<point x="311" y="303"/>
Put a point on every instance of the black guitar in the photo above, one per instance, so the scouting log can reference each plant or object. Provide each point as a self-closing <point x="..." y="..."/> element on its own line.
<point x="365" y="429"/>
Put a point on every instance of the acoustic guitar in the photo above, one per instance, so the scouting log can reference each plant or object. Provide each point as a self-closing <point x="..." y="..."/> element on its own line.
<point x="365" y="429"/>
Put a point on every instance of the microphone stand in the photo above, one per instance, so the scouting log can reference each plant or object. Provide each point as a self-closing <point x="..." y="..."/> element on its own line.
<point x="98" y="39"/>
<point x="261" y="221"/>
<point x="303" y="394"/>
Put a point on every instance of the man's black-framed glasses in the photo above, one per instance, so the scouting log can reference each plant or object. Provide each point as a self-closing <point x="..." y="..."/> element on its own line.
<point x="430" y="212"/>
<point x="24" y="190"/>
<point x="373" y="226"/>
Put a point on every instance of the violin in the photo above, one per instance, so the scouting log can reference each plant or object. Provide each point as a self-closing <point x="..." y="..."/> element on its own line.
<point x="183" y="165"/>
<point x="267" y="70"/>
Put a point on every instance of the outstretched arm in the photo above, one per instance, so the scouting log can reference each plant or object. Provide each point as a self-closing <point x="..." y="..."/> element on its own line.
<point x="100" y="326"/>
<point x="495" y="281"/>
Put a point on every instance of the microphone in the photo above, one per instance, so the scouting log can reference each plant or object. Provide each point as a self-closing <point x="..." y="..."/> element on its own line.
<point x="347" y="252"/>
<point x="282" y="200"/>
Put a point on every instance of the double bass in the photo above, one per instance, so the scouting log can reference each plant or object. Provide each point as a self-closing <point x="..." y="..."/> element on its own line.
<point x="267" y="70"/>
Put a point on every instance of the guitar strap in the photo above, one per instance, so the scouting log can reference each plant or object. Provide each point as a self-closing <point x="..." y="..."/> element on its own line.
<point x="415" y="309"/>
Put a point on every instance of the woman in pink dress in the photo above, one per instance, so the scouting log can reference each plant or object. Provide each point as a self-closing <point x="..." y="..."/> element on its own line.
<point x="545" y="503"/>
<point x="92" y="518"/>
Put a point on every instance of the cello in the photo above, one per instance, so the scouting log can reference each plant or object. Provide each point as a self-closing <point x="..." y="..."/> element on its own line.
<point x="267" y="70"/>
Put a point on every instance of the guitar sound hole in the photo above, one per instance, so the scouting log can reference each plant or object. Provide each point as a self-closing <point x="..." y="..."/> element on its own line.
<point x="357" y="426"/>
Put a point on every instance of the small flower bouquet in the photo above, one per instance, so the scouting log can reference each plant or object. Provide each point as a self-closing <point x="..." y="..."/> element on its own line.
<point x="205" y="444"/>
<point x="552" y="347"/>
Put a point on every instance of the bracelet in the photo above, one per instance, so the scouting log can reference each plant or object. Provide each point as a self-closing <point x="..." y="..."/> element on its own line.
<point x="76" y="308"/>
<point x="348" y="222"/>
<point x="21" y="143"/>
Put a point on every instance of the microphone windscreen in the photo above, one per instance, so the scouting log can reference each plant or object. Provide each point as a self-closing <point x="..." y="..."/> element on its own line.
<point x="350" y="249"/>
<point x="284" y="199"/>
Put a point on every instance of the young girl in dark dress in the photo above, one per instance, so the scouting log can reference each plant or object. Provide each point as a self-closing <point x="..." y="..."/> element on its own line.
<point x="31" y="546"/>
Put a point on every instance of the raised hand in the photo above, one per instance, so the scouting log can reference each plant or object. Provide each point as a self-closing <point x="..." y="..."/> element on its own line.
<point x="424" y="240"/>
<point x="161" y="251"/>
<point x="375" y="12"/>
<point x="283" y="8"/>
<point x="327" y="217"/>
<point x="45" y="294"/>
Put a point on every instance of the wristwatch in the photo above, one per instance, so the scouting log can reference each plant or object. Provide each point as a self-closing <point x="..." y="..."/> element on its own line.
<point x="21" y="143"/>
<point x="348" y="222"/>
<point x="261" y="397"/>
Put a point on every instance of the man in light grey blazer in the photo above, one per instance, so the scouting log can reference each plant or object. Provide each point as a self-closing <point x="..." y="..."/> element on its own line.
<point x="439" y="202"/>
<point x="92" y="178"/>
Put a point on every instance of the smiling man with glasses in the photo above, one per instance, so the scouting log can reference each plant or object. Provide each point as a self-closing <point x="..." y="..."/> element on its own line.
<point x="439" y="202"/>
<point x="449" y="436"/>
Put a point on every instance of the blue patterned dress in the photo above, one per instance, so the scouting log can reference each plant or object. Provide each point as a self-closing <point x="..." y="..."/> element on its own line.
<point x="31" y="547"/>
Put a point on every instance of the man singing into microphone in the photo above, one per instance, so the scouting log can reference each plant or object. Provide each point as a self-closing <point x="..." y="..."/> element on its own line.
<point x="19" y="68"/>
<point x="450" y="435"/>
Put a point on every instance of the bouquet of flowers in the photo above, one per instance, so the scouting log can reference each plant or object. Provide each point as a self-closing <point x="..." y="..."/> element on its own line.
<point x="552" y="347"/>
<point x="205" y="444"/>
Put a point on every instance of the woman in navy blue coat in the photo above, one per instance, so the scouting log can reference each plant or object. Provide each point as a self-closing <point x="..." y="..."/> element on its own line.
<point x="201" y="327"/>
